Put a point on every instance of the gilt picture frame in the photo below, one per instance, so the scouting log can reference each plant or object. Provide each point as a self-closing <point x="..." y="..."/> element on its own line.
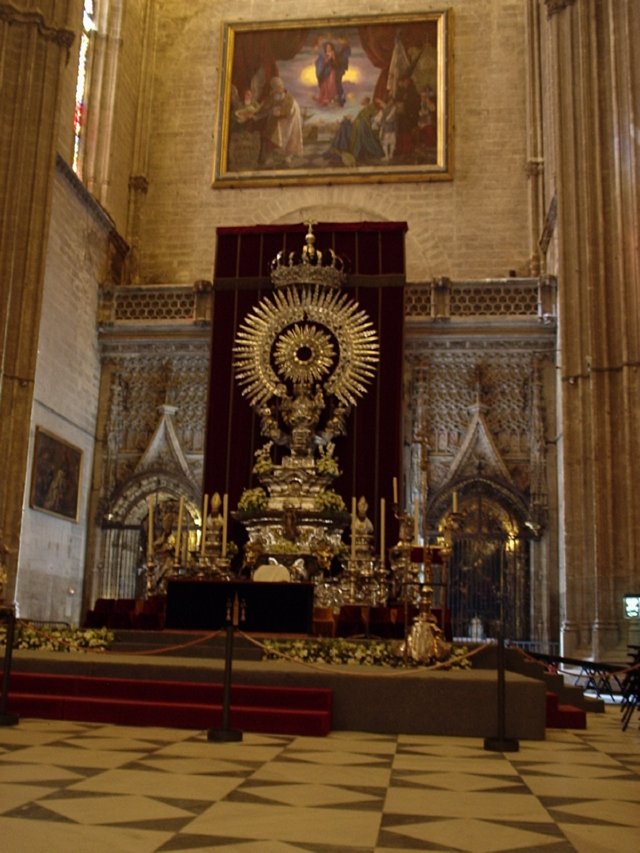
<point x="55" y="476"/>
<point x="335" y="100"/>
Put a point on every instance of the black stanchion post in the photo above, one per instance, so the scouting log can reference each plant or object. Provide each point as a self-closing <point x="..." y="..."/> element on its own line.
<point x="7" y="719"/>
<point x="225" y="734"/>
<point x="501" y="743"/>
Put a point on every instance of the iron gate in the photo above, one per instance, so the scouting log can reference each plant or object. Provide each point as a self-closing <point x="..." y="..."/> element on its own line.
<point x="482" y="568"/>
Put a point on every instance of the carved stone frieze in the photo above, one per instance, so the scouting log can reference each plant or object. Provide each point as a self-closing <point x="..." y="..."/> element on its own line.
<point x="145" y="385"/>
<point x="482" y="410"/>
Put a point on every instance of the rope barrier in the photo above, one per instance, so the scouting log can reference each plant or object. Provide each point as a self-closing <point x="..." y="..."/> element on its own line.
<point x="174" y="648"/>
<point x="387" y="671"/>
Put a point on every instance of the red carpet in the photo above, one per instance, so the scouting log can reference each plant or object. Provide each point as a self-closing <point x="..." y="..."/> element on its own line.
<point x="564" y="716"/>
<point x="191" y="705"/>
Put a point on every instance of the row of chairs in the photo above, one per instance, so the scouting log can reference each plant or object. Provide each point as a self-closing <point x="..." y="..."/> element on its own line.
<point x="127" y="613"/>
<point x="631" y="688"/>
<point x="354" y="620"/>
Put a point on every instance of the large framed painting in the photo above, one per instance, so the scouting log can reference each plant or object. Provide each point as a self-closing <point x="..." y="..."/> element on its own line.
<point x="335" y="101"/>
<point x="55" y="477"/>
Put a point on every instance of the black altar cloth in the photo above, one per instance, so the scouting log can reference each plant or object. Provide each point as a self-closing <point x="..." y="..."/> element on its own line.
<point x="271" y="608"/>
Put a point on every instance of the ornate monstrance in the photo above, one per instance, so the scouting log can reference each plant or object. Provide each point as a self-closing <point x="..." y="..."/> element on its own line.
<point x="303" y="356"/>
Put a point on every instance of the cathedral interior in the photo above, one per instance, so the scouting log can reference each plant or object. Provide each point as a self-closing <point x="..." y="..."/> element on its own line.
<point x="494" y="246"/>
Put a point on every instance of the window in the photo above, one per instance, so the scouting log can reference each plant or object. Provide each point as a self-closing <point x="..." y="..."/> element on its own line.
<point x="82" y="88"/>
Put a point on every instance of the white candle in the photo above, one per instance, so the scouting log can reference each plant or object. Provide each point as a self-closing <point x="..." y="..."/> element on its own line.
<point x="225" y="519"/>
<point x="150" y="528"/>
<point x="415" y="522"/>
<point x="382" y="526"/>
<point x="455" y="501"/>
<point x="353" y="528"/>
<point x="203" y="533"/>
<point x="395" y="491"/>
<point x="179" y="530"/>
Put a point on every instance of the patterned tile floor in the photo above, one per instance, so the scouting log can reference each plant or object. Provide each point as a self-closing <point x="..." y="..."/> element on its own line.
<point x="89" y="787"/>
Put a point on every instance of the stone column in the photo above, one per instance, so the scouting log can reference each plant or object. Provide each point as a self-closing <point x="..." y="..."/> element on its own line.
<point x="34" y="46"/>
<point x="592" y="93"/>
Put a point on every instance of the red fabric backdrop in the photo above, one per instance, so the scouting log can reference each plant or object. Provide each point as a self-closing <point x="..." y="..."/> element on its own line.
<point x="370" y="453"/>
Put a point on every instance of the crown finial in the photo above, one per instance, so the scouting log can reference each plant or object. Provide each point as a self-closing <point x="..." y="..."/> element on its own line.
<point x="310" y="267"/>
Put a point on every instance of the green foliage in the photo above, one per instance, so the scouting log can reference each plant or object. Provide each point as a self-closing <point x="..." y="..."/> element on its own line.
<point x="330" y="502"/>
<point x="253" y="500"/>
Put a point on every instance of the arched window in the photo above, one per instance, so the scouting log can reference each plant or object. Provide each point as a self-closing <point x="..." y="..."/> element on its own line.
<point x="82" y="85"/>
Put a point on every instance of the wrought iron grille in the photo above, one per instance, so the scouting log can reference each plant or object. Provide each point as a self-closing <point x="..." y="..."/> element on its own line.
<point x="482" y="569"/>
<point x="121" y="560"/>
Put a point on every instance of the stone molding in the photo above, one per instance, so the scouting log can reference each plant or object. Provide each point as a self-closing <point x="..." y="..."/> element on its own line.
<point x="58" y="35"/>
<point x="556" y="6"/>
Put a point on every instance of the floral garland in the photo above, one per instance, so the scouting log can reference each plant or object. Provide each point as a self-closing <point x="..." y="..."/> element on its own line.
<point x="360" y="652"/>
<point x="58" y="639"/>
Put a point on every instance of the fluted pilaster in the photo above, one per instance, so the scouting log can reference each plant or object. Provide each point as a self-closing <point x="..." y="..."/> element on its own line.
<point x="34" y="45"/>
<point x="593" y="90"/>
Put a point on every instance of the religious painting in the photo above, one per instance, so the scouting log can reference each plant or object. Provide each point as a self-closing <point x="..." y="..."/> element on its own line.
<point x="335" y="101"/>
<point x="55" y="478"/>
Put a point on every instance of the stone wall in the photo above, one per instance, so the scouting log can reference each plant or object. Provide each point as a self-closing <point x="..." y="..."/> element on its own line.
<point x="52" y="549"/>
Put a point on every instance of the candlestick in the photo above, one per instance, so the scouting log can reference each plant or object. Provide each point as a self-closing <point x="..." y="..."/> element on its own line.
<point x="203" y="533"/>
<point x="395" y="491"/>
<point x="150" y="528"/>
<point x="179" y="529"/>
<point x="225" y="518"/>
<point x="382" y="529"/>
<point x="353" y="528"/>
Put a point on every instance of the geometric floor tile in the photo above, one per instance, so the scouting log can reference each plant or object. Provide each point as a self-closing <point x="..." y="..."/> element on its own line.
<point x="97" y="788"/>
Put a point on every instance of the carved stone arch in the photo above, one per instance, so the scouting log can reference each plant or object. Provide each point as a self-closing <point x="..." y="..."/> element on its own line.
<point x="130" y="504"/>
<point x="467" y="489"/>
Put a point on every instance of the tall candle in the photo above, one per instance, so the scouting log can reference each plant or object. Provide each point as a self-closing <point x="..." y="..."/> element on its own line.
<point x="395" y="490"/>
<point x="150" y="528"/>
<point x="353" y="528"/>
<point x="225" y="519"/>
<point x="382" y="528"/>
<point x="203" y="533"/>
<point x="415" y="522"/>
<point x="455" y="501"/>
<point x="179" y="529"/>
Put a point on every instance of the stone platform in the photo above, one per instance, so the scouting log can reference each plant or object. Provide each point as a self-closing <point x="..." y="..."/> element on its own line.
<point x="459" y="703"/>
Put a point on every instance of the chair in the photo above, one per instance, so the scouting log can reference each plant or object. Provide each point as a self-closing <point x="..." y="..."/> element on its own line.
<point x="352" y="620"/>
<point x="324" y="623"/>
<point x="380" y="622"/>
<point x="151" y="614"/>
<point x="98" y="616"/>
<point x="122" y="615"/>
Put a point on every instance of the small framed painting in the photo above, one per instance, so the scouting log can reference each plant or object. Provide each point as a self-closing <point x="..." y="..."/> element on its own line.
<point x="335" y="101"/>
<point x="55" y="478"/>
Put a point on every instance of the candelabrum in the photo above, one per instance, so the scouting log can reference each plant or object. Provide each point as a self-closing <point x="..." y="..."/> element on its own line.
<point x="150" y="570"/>
<point x="425" y="641"/>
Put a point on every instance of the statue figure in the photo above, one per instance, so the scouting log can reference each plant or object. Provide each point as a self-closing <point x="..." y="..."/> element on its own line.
<point x="302" y="414"/>
<point x="289" y="522"/>
<point x="363" y="531"/>
<point x="214" y="523"/>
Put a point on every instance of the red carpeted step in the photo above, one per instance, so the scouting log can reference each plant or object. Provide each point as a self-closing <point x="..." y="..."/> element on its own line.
<point x="171" y="691"/>
<point x="564" y="716"/>
<point x="269" y="710"/>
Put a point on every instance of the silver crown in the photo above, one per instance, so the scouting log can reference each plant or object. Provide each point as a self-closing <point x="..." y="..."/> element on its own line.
<point x="309" y="267"/>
